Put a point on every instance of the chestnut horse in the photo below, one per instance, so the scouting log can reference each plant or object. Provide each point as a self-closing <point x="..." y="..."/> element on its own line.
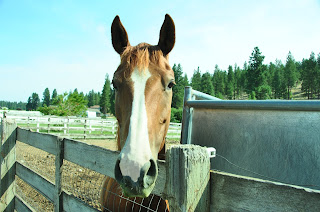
<point x="143" y="93"/>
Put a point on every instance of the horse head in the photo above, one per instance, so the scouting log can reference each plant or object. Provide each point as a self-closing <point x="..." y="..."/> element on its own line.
<point x="143" y="93"/>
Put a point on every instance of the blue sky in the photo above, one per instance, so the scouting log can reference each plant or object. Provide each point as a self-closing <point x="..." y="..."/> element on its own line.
<point x="67" y="44"/>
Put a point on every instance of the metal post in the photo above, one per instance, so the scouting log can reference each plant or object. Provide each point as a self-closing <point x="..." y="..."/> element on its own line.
<point x="186" y="117"/>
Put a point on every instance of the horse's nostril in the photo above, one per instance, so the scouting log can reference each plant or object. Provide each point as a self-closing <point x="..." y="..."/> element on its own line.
<point x="117" y="172"/>
<point x="153" y="168"/>
<point x="150" y="177"/>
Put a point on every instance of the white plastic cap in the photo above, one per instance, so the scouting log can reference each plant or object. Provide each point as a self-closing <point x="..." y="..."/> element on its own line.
<point x="211" y="152"/>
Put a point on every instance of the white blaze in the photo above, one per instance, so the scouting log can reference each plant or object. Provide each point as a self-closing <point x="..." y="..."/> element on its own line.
<point x="136" y="151"/>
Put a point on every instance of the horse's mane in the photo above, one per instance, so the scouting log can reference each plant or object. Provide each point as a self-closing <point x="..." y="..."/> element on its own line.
<point x="141" y="56"/>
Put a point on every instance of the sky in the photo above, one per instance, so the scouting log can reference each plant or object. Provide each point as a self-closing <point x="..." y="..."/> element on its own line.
<point x="65" y="45"/>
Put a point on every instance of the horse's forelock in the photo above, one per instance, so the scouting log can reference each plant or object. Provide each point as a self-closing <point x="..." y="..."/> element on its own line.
<point x="141" y="56"/>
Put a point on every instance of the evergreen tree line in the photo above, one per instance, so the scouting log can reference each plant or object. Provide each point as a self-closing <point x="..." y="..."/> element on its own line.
<point x="255" y="80"/>
<point x="13" y="105"/>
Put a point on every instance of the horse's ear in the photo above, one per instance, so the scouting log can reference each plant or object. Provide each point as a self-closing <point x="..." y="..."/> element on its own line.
<point x="119" y="36"/>
<point x="167" y="35"/>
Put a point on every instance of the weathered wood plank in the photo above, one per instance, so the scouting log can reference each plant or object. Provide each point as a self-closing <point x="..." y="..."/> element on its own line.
<point x="71" y="203"/>
<point x="22" y="206"/>
<point x="237" y="193"/>
<point x="7" y="202"/>
<point x="188" y="174"/>
<point x="36" y="181"/>
<point x="97" y="158"/>
<point x="42" y="141"/>
<point x="58" y="200"/>
<point x="7" y="164"/>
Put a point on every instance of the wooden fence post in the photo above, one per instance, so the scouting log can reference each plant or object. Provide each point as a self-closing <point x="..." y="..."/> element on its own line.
<point x="58" y="175"/>
<point x="90" y="126"/>
<point x="85" y="128"/>
<point x="188" y="175"/>
<point x="65" y="126"/>
<point x="113" y="127"/>
<point x="38" y="124"/>
<point x="68" y="125"/>
<point x="49" y="125"/>
<point x="7" y="164"/>
<point x="28" y="123"/>
<point x="101" y="127"/>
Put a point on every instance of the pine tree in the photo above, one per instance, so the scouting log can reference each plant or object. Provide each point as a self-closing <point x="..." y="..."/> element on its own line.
<point x="206" y="84"/>
<point x="97" y="98"/>
<point x="290" y="76"/>
<point x="35" y="101"/>
<point x="256" y="76"/>
<point x="219" y="82"/>
<point x="54" y="97"/>
<point x="277" y="78"/>
<point x="185" y="80"/>
<point x="178" y="89"/>
<point x="230" y="83"/>
<point x="196" y="80"/>
<point x="46" y="98"/>
<point x="318" y="75"/>
<point x="105" y="100"/>
<point x="237" y="78"/>
<point x="244" y="74"/>
<point x="29" y="104"/>
<point x="90" y="98"/>
<point x="309" y="76"/>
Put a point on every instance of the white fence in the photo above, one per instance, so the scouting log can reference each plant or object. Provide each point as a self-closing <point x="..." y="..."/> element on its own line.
<point x="74" y="127"/>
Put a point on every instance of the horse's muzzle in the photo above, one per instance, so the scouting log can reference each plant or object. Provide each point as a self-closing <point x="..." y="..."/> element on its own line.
<point x="145" y="183"/>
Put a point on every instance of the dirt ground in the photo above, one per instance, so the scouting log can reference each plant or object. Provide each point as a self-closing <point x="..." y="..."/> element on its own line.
<point x="82" y="183"/>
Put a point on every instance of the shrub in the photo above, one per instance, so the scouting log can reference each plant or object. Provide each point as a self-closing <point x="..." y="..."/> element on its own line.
<point x="176" y="115"/>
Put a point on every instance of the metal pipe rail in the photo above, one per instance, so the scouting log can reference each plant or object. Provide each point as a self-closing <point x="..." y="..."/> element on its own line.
<point x="288" y="105"/>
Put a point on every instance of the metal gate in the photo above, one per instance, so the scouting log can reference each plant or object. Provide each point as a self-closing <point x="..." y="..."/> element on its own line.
<point x="276" y="140"/>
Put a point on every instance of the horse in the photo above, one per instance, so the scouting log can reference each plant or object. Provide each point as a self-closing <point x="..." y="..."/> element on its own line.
<point x="143" y="94"/>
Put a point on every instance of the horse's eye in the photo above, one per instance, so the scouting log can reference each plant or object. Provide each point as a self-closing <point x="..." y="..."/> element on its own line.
<point x="171" y="84"/>
<point x="114" y="85"/>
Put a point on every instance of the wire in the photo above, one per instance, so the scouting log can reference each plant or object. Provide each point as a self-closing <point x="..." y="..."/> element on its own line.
<point x="264" y="176"/>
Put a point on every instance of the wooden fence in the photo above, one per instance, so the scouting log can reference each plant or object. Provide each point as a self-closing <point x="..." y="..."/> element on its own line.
<point x="72" y="127"/>
<point x="187" y="169"/>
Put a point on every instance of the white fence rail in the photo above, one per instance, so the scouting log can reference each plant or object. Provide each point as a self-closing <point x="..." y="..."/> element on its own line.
<point x="72" y="127"/>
